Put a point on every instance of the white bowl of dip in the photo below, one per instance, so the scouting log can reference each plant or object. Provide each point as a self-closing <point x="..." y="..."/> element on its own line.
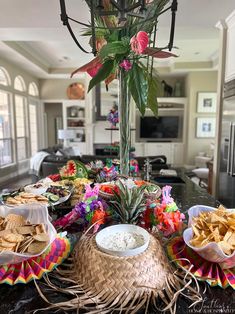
<point x="123" y="240"/>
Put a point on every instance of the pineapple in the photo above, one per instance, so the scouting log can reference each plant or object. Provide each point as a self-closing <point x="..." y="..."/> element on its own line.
<point x="129" y="203"/>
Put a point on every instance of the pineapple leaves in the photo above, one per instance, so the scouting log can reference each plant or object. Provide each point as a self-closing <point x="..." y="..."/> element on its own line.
<point x="128" y="203"/>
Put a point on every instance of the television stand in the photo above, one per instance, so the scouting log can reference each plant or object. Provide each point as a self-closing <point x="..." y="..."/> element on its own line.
<point x="156" y="141"/>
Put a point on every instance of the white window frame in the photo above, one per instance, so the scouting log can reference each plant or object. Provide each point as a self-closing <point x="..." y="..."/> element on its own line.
<point x="26" y="127"/>
<point x="34" y="87"/>
<point x="12" y="129"/>
<point x="7" y="77"/>
<point x="34" y="102"/>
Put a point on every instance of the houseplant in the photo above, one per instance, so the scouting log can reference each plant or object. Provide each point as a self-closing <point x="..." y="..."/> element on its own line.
<point x="124" y="52"/>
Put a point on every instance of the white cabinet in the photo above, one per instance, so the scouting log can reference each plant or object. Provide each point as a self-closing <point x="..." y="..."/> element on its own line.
<point x="139" y="149"/>
<point x="230" y="48"/>
<point x="74" y="118"/>
<point x="178" y="154"/>
<point x="174" y="152"/>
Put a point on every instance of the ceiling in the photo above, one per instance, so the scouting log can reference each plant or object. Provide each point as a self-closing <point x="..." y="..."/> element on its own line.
<point x="32" y="35"/>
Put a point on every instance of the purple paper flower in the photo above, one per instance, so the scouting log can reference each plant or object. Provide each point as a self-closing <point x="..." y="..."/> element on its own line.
<point x="80" y="208"/>
<point x="126" y="65"/>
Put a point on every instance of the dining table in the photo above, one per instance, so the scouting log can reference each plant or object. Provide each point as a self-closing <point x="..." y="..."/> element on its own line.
<point x="25" y="299"/>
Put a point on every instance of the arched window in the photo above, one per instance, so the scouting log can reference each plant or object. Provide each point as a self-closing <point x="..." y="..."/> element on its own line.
<point x="4" y="77"/>
<point x="33" y="89"/>
<point x="19" y="84"/>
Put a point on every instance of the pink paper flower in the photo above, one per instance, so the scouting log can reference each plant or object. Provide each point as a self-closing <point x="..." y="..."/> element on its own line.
<point x="139" y="42"/>
<point x="126" y="65"/>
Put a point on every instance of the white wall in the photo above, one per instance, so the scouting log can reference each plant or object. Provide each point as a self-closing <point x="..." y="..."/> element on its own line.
<point x="56" y="88"/>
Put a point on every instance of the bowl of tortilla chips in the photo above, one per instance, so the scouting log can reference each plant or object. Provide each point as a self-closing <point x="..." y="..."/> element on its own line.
<point x="211" y="234"/>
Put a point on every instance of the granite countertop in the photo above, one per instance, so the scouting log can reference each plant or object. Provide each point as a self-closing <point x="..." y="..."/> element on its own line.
<point x="189" y="194"/>
<point x="22" y="299"/>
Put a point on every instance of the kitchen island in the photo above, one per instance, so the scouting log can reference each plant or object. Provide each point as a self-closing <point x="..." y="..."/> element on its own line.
<point x="21" y="299"/>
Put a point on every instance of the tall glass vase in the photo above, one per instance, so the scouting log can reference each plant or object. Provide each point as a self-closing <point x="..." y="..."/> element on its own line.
<point x="124" y="123"/>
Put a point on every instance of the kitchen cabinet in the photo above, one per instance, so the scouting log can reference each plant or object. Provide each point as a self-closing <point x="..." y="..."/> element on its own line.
<point x="230" y="48"/>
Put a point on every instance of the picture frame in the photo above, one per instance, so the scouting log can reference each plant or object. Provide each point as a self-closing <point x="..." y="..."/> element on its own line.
<point x="205" y="127"/>
<point x="206" y="102"/>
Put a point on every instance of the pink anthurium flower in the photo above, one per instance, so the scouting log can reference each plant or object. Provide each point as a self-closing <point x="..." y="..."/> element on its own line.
<point x="91" y="67"/>
<point x="126" y="65"/>
<point x="139" y="42"/>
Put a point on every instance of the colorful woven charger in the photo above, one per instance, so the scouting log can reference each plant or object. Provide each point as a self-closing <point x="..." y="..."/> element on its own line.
<point x="204" y="270"/>
<point x="36" y="267"/>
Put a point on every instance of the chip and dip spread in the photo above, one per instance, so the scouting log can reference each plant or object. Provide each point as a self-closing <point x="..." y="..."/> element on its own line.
<point x="215" y="226"/>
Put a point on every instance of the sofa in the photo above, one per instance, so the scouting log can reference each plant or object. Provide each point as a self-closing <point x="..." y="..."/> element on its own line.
<point x="52" y="163"/>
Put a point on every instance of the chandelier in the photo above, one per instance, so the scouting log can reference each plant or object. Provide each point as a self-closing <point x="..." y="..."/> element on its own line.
<point x="121" y="9"/>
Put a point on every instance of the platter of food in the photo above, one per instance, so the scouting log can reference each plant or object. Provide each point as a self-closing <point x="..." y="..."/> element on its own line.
<point x="51" y="195"/>
<point x="18" y="198"/>
<point x="57" y="194"/>
<point x="211" y="233"/>
<point x="25" y="231"/>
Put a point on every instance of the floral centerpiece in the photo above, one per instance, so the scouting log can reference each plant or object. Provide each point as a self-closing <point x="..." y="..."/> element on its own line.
<point x="124" y="52"/>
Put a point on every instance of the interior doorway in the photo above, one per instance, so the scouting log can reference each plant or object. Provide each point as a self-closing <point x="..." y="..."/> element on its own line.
<point x="53" y="121"/>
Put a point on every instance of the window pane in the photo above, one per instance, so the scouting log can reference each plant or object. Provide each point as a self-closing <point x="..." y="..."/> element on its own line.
<point x="5" y="152"/>
<point x="20" y="116"/>
<point x="19" y="84"/>
<point x="33" y="129"/>
<point x="5" y="118"/>
<point x="4" y="77"/>
<point x="33" y="89"/>
<point x="21" y="148"/>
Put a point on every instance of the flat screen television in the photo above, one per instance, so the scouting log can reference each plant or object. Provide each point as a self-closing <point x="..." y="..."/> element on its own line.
<point x="166" y="128"/>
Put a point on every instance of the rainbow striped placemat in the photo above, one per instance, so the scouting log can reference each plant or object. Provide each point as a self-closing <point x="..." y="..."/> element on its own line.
<point x="36" y="267"/>
<point x="204" y="270"/>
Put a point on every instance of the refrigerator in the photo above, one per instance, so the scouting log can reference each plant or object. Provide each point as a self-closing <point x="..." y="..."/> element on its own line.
<point x="226" y="180"/>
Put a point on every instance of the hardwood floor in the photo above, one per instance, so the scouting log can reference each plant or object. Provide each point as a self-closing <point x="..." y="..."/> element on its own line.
<point x="16" y="183"/>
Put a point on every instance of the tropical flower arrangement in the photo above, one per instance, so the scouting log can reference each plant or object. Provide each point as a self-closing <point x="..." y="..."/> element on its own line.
<point x="127" y="52"/>
<point x="128" y="48"/>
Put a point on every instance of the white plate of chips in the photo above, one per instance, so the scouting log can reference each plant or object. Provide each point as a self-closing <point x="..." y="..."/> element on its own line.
<point x="25" y="232"/>
<point x="211" y="234"/>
